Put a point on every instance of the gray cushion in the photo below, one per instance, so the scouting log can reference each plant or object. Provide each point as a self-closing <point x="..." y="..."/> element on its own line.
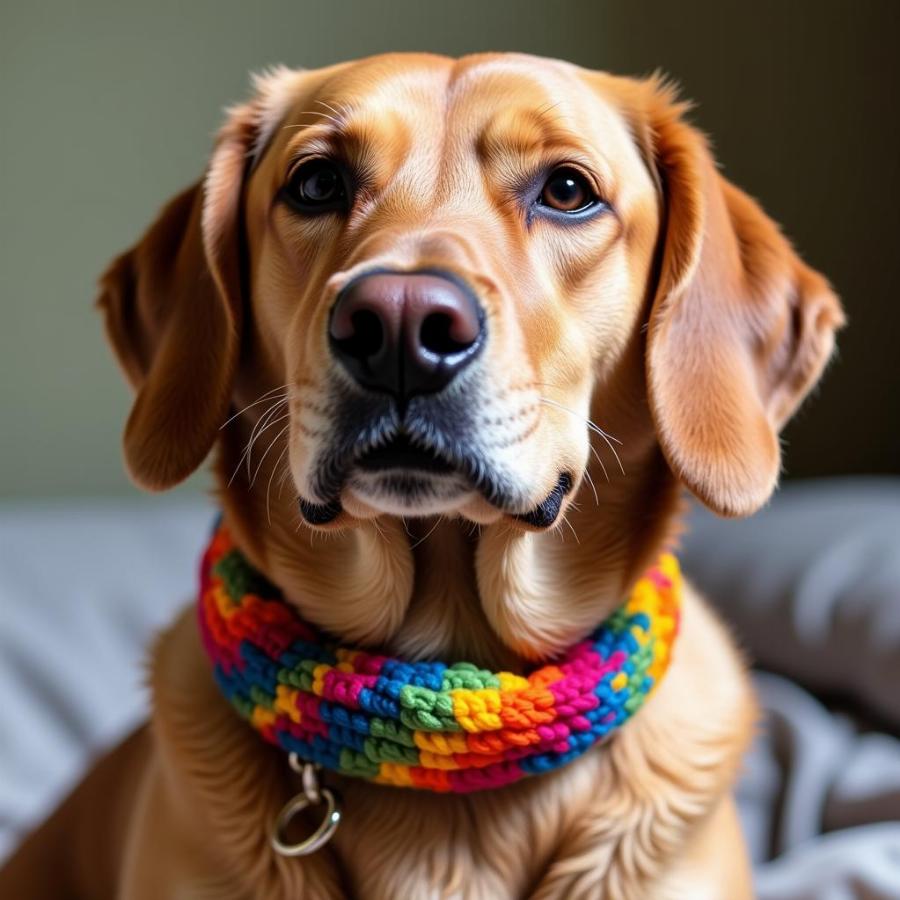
<point x="812" y="586"/>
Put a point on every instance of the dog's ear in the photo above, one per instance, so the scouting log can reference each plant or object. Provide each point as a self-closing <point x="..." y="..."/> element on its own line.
<point x="740" y="329"/>
<point x="172" y="307"/>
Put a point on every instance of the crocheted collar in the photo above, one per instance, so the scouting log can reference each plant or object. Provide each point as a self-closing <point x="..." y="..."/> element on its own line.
<point x="443" y="727"/>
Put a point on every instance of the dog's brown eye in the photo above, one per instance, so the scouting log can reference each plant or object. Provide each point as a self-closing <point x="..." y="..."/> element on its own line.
<point x="317" y="186"/>
<point x="567" y="191"/>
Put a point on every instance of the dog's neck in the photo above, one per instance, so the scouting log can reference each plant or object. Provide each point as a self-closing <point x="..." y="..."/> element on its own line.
<point x="445" y="616"/>
<point x="494" y="594"/>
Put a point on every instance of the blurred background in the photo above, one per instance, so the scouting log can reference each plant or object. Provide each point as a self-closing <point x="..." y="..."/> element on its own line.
<point x="108" y="108"/>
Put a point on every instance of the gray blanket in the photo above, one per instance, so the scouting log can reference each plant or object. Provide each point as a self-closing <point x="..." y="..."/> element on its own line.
<point x="812" y="588"/>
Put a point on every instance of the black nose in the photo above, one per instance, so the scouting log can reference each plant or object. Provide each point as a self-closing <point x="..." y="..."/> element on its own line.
<point x="406" y="333"/>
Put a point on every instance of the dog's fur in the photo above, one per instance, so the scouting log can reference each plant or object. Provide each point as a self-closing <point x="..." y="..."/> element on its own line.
<point x="680" y="321"/>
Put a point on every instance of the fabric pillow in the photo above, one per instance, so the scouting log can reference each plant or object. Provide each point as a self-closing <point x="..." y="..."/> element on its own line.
<point x="812" y="586"/>
<point x="83" y="587"/>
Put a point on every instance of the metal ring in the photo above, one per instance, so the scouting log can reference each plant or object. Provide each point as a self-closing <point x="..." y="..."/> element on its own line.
<point x="320" y="837"/>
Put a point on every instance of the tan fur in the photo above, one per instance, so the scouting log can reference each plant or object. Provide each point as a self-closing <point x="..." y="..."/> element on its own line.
<point x="682" y="323"/>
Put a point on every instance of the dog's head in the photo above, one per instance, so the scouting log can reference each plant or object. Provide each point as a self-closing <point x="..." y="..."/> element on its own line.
<point x="465" y="288"/>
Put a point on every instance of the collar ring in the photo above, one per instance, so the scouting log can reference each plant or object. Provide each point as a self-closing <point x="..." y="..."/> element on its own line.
<point x="323" y="832"/>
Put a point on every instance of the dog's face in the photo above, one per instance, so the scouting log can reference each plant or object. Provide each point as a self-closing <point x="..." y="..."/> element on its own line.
<point x="466" y="288"/>
<point x="445" y="262"/>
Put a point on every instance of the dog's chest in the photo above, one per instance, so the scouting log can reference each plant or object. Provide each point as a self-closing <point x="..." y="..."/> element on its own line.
<point x="606" y="824"/>
<point x="490" y="845"/>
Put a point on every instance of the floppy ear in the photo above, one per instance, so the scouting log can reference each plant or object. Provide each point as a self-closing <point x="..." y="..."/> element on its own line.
<point x="740" y="329"/>
<point x="172" y="307"/>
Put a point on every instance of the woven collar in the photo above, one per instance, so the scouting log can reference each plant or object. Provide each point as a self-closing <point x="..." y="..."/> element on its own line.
<point x="426" y="724"/>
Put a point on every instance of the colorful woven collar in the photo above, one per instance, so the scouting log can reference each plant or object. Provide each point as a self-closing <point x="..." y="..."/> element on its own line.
<point x="426" y="724"/>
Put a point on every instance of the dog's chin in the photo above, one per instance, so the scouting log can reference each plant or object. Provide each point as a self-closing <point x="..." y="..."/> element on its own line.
<point x="407" y="492"/>
<point x="412" y="493"/>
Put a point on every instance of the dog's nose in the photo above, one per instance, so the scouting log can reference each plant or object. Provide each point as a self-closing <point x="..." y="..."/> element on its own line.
<point x="406" y="333"/>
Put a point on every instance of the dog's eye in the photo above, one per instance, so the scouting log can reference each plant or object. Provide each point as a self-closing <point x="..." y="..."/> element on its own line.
<point x="317" y="186"/>
<point x="568" y="191"/>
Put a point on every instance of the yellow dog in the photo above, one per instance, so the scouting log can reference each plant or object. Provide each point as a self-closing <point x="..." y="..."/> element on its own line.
<point x="477" y="322"/>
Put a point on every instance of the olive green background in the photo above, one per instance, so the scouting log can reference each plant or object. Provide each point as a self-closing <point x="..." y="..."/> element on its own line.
<point x="106" y="109"/>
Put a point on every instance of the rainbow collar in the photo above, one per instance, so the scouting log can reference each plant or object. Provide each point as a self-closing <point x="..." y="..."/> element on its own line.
<point x="426" y="724"/>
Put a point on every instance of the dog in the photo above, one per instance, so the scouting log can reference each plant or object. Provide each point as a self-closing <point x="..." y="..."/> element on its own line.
<point x="459" y="333"/>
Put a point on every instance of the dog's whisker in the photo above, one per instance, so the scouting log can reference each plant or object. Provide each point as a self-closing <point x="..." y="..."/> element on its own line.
<point x="284" y="450"/>
<point x="285" y="388"/>
<point x="429" y="534"/>
<point x="344" y="109"/>
<point x="261" y="425"/>
<point x="589" y="422"/>
<point x="606" y="438"/>
<point x="590" y="481"/>
<point x="591" y="447"/>
<point x="600" y="462"/>
<point x="324" y="115"/>
<point x="268" y="450"/>
<point x="254" y="434"/>
<point x="267" y="415"/>
<point x="337" y="112"/>
<point x="296" y="126"/>
<point x="565" y="521"/>
<point x="283" y="477"/>
<point x="317" y="113"/>
<point x="592" y="426"/>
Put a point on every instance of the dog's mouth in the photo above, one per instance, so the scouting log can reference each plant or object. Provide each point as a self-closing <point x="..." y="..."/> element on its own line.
<point x="430" y="461"/>
<point x="405" y="477"/>
<point x="401" y="453"/>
